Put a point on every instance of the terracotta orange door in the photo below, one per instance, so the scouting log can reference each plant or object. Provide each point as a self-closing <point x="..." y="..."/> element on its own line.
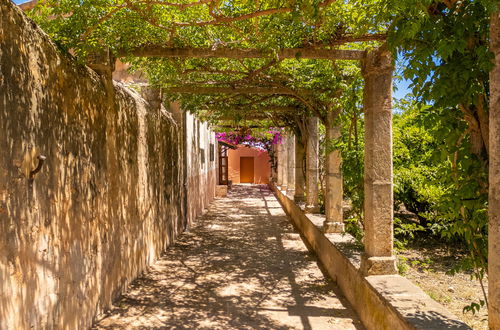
<point x="246" y="169"/>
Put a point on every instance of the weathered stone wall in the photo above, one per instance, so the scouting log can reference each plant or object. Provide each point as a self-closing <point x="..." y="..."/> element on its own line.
<point x="107" y="199"/>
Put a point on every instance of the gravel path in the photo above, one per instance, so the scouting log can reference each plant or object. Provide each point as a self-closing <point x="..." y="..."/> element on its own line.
<point x="241" y="267"/>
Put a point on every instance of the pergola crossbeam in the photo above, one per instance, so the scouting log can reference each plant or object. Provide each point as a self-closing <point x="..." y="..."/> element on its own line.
<point x="251" y="126"/>
<point x="262" y="109"/>
<point x="305" y="53"/>
<point x="230" y="90"/>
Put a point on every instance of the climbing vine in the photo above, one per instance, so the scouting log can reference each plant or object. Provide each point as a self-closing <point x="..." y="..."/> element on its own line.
<point x="444" y="45"/>
<point x="262" y="139"/>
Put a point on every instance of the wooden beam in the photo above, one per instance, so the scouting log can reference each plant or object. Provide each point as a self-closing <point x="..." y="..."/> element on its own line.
<point x="305" y="53"/>
<point x="245" y="117"/>
<point x="229" y="90"/>
<point x="233" y="126"/>
<point x="255" y="109"/>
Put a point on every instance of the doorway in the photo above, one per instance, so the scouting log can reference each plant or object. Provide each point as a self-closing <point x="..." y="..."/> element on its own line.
<point x="246" y="169"/>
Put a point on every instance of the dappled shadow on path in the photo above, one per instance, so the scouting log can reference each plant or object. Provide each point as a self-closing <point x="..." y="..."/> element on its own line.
<point x="241" y="267"/>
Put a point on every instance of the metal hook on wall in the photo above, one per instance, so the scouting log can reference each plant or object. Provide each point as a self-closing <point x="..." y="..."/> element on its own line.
<point x="41" y="159"/>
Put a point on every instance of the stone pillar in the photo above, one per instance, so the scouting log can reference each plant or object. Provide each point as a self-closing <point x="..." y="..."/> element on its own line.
<point x="279" y="169"/>
<point x="103" y="63"/>
<point x="312" y="173"/>
<point x="284" y="169"/>
<point x="175" y="109"/>
<point x="290" y="190"/>
<point x="494" y="180"/>
<point x="153" y="96"/>
<point x="334" y="222"/>
<point x="274" y="162"/>
<point x="377" y="71"/>
<point x="300" y="179"/>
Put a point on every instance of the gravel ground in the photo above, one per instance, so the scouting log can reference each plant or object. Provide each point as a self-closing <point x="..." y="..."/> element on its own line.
<point x="427" y="263"/>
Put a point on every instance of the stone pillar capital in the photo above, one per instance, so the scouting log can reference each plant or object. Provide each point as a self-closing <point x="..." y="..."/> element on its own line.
<point x="102" y="61"/>
<point x="378" y="61"/>
<point x="153" y="96"/>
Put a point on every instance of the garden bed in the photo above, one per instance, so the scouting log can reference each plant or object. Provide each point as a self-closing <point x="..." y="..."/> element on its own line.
<point x="426" y="261"/>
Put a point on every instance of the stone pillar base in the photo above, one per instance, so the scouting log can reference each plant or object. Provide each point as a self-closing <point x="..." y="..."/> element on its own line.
<point x="333" y="227"/>
<point x="290" y="193"/>
<point x="378" y="265"/>
<point x="311" y="209"/>
<point x="283" y="187"/>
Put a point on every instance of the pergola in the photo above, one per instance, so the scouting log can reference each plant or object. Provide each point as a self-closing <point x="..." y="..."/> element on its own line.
<point x="377" y="68"/>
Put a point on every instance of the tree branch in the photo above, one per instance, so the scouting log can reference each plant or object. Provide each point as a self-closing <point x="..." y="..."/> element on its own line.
<point x="223" y="20"/>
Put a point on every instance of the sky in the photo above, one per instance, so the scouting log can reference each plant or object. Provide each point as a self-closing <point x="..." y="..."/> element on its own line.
<point x="402" y="88"/>
<point x="401" y="85"/>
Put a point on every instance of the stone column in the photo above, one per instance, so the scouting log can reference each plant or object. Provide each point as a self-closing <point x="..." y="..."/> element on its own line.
<point x="284" y="173"/>
<point x="312" y="173"/>
<point x="291" y="166"/>
<point x="334" y="222"/>
<point x="179" y="116"/>
<point x="103" y="63"/>
<point x="274" y="162"/>
<point x="300" y="179"/>
<point x="153" y="96"/>
<point x="279" y="172"/>
<point x="494" y="180"/>
<point x="377" y="71"/>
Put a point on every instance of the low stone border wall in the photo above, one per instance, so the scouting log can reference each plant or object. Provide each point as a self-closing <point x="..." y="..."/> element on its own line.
<point x="382" y="302"/>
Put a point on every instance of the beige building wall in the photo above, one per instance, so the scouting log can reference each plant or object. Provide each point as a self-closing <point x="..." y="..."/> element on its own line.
<point x="262" y="165"/>
<point x="201" y="168"/>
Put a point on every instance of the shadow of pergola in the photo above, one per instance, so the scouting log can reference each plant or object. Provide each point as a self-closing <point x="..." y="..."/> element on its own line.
<point x="242" y="266"/>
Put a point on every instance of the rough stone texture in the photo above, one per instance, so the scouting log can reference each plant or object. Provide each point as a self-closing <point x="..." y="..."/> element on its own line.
<point x="494" y="180"/>
<point x="284" y="160"/>
<point x="274" y="169"/>
<point x="300" y="178"/>
<point x="378" y="240"/>
<point x="242" y="266"/>
<point x="312" y="172"/>
<point x="153" y="96"/>
<point x="334" y="222"/>
<point x="107" y="200"/>
<point x="290" y="149"/>
<point x="383" y="301"/>
<point x="279" y="172"/>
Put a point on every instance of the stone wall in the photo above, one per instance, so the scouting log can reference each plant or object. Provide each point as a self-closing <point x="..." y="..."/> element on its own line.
<point x="201" y="168"/>
<point x="107" y="199"/>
